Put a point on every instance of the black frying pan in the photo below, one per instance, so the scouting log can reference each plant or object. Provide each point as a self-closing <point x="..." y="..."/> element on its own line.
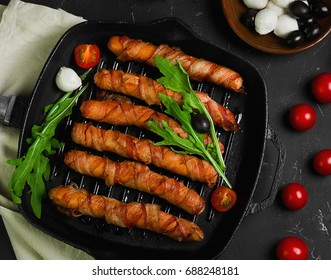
<point x="244" y="149"/>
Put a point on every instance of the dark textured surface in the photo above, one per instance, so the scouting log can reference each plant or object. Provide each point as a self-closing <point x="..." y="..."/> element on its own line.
<point x="287" y="79"/>
<point x="6" y="251"/>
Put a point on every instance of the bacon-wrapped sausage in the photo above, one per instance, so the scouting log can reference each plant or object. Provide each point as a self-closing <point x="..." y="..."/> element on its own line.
<point x="136" y="176"/>
<point x="126" y="48"/>
<point x="124" y="113"/>
<point x="75" y="202"/>
<point x="145" y="151"/>
<point x="148" y="90"/>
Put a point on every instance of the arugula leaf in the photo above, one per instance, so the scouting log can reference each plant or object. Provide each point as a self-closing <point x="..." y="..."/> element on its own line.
<point x="33" y="167"/>
<point x="173" y="77"/>
<point x="170" y="138"/>
<point x="173" y="109"/>
<point x="176" y="78"/>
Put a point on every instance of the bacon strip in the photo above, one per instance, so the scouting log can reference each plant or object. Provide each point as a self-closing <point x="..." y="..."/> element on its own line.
<point x="136" y="176"/>
<point x="73" y="202"/>
<point x="148" y="90"/>
<point x="124" y="113"/>
<point x="199" y="69"/>
<point x="145" y="151"/>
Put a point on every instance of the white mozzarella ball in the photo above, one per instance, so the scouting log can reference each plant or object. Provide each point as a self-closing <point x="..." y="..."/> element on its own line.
<point x="265" y="21"/>
<point x="285" y="25"/>
<point x="282" y="3"/>
<point x="278" y="10"/>
<point x="256" y="4"/>
<point x="67" y="79"/>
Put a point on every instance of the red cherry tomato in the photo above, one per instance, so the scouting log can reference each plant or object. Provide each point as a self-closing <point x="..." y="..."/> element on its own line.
<point x="292" y="248"/>
<point x="294" y="196"/>
<point x="302" y="117"/>
<point x="223" y="199"/>
<point x="321" y="87"/>
<point x="87" y="55"/>
<point x="322" y="162"/>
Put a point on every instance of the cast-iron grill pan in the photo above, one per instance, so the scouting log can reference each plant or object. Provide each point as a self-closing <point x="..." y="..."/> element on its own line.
<point x="244" y="149"/>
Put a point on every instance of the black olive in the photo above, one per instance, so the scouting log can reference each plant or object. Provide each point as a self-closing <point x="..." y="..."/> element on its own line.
<point x="305" y="22"/>
<point x="200" y="123"/>
<point x="313" y="31"/>
<point x="248" y="18"/>
<point x="299" y="9"/>
<point x="320" y="8"/>
<point x="295" y="38"/>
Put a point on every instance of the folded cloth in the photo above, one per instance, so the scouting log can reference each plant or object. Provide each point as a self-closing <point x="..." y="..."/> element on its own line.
<point x="28" y="34"/>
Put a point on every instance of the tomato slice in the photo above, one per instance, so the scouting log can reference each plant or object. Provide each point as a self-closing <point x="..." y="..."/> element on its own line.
<point x="87" y="55"/>
<point x="223" y="199"/>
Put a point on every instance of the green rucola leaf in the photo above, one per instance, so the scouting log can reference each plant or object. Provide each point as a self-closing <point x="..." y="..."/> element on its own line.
<point x="184" y="116"/>
<point x="170" y="138"/>
<point x="173" y="75"/>
<point x="35" y="179"/>
<point x="176" y="79"/>
<point x="33" y="167"/>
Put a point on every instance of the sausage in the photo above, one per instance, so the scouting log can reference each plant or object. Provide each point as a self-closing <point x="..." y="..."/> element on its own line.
<point x="124" y="113"/>
<point x="199" y="69"/>
<point x="144" y="150"/>
<point x="136" y="176"/>
<point x="74" y="202"/>
<point x="148" y="90"/>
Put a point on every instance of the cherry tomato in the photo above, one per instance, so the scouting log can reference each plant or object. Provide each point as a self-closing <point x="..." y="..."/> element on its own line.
<point x="302" y="117"/>
<point x="294" y="196"/>
<point x="223" y="199"/>
<point x="321" y="87"/>
<point x="322" y="162"/>
<point x="87" y="55"/>
<point x="292" y="248"/>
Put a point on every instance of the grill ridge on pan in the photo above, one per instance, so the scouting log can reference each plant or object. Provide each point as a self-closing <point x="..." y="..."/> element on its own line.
<point x="126" y="194"/>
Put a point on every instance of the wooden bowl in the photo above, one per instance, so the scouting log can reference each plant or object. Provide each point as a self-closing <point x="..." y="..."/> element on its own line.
<point x="270" y="43"/>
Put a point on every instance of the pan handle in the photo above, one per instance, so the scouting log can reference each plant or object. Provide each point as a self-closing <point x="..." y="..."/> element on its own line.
<point x="255" y="207"/>
<point x="13" y="110"/>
